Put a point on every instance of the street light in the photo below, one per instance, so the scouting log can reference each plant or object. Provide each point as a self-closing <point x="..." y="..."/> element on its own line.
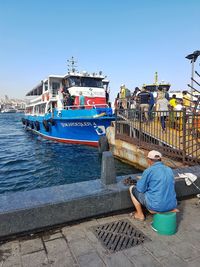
<point x="193" y="57"/>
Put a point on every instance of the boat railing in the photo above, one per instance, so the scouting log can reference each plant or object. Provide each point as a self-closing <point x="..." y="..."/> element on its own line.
<point x="94" y="106"/>
<point x="176" y="134"/>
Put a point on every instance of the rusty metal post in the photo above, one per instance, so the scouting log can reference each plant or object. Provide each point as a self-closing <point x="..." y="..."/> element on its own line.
<point x="184" y="136"/>
<point x="116" y="123"/>
<point x="140" y="126"/>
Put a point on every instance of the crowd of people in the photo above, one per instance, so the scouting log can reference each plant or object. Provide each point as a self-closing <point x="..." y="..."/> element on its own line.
<point x="148" y="102"/>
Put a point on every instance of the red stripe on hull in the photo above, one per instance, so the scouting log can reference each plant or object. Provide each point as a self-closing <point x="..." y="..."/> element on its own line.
<point x="78" y="142"/>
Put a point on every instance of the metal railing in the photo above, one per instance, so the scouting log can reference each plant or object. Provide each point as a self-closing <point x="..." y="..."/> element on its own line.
<point x="176" y="134"/>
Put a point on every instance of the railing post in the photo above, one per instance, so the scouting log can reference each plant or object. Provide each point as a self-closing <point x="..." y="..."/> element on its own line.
<point x="116" y="124"/>
<point x="140" y="126"/>
<point x="184" y="135"/>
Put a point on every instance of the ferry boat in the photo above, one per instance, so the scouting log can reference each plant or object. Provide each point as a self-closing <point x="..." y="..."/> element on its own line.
<point x="154" y="87"/>
<point x="55" y="112"/>
<point x="9" y="110"/>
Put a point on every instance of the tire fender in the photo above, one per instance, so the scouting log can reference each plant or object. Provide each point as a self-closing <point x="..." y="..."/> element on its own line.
<point x="103" y="144"/>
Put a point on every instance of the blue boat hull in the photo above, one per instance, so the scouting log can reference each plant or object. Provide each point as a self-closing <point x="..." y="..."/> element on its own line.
<point x="68" y="126"/>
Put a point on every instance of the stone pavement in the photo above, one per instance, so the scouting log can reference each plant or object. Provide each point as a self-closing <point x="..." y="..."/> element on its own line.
<point x="76" y="245"/>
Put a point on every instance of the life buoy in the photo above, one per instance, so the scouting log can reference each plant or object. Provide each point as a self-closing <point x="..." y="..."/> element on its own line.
<point x="103" y="144"/>
<point x="37" y="125"/>
<point x="46" y="125"/>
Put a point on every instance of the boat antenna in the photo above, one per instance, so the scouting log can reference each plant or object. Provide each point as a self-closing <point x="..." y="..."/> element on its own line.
<point x="71" y="65"/>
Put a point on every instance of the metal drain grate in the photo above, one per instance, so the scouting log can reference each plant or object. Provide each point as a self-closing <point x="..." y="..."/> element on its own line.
<point x="119" y="235"/>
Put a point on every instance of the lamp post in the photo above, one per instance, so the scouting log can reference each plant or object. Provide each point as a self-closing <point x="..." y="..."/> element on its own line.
<point x="193" y="57"/>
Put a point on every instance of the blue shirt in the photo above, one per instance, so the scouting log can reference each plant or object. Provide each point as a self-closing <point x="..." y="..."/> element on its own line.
<point x="151" y="100"/>
<point x="157" y="184"/>
<point x="81" y="100"/>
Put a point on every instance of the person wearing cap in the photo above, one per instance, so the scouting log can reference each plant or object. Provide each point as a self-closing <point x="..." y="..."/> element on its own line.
<point x="156" y="188"/>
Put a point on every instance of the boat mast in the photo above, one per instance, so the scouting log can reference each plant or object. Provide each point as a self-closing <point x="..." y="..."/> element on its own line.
<point x="71" y="65"/>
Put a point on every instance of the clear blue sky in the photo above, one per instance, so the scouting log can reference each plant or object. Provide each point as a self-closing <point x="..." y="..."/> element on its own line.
<point x="128" y="40"/>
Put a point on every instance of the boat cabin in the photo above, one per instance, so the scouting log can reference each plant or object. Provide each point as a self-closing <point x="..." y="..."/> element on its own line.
<point x="50" y="93"/>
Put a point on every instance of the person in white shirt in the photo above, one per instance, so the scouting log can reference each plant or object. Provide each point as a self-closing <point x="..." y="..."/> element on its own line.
<point x="163" y="106"/>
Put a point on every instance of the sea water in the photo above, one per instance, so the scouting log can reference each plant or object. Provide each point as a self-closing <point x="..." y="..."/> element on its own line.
<point x="28" y="161"/>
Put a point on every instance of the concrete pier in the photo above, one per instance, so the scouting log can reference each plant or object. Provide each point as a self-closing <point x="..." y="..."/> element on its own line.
<point x="132" y="154"/>
<point x="77" y="246"/>
<point x="38" y="209"/>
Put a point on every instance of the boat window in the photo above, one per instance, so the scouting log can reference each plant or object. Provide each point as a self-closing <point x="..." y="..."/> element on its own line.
<point x="91" y="82"/>
<point x="55" y="88"/>
<point x="74" y="81"/>
<point x="46" y="86"/>
<point x="85" y="82"/>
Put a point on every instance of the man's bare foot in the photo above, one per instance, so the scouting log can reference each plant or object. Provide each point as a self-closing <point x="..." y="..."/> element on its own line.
<point x="135" y="216"/>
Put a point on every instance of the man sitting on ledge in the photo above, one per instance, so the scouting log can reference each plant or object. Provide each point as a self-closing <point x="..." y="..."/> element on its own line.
<point x="156" y="188"/>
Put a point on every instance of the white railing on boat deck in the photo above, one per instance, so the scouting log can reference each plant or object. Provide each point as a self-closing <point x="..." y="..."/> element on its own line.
<point x="94" y="106"/>
<point x="74" y="107"/>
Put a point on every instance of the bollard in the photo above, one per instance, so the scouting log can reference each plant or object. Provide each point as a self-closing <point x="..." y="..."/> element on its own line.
<point x="108" y="174"/>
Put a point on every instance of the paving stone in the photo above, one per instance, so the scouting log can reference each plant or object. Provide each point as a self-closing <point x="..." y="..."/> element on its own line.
<point x="118" y="260"/>
<point x="90" y="260"/>
<point x="12" y="261"/>
<point x="173" y="260"/>
<point x="36" y="259"/>
<point x="157" y="248"/>
<point x="184" y="250"/>
<point x="49" y="236"/>
<point x="32" y="245"/>
<point x="192" y="237"/>
<point x="74" y="234"/>
<point x="91" y="236"/>
<point x="106" y="220"/>
<point x="141" y="257"/>
<point x="89" y="223"/>
<point x="62" y="261"/>
<point x="81" y="247"/>
<point x="194" y="263"/>
<point x="10" y="254"/>
<point x="55" y="247"/>
<point x="12" y="245"/>
<point x="146" y="260"/>
<point x="100" y="249"/>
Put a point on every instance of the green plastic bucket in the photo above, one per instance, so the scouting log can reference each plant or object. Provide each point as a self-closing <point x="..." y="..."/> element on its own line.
<point x="164" y="223"/>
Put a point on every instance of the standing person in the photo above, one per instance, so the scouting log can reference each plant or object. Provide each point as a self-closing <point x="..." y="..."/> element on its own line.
<point x="151" y="105"/>
<point x="156" y="189"/>
<point x="172" y="101"/>
<point x="81" y="101"/>
<point x="172" y="105"/>
<point x="143" y="98"/>
<point x="160" y="94"/>
<point x="166" y="93"/>
<point x="163" y="107"/>
<point x="186" y="99"/>
<point x="178" y="112"/>
<point x="123" y="96"/>
<point x="136" y="91"/>
<point x="107" y="91"/>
